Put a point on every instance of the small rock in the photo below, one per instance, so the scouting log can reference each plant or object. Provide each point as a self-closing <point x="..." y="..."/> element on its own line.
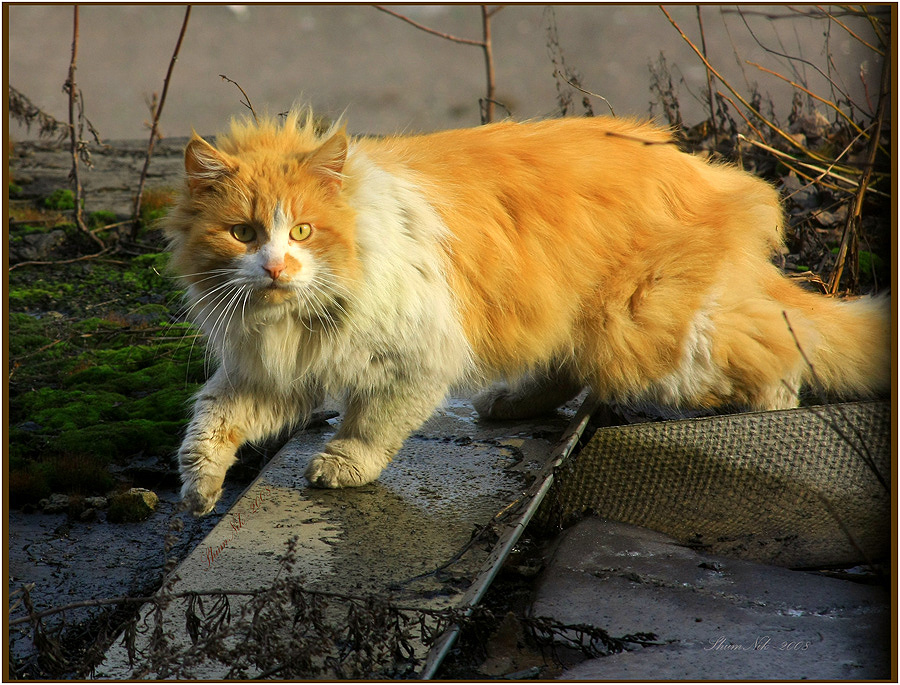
<point x="813" y="125"/>
<point x="88" y="515"/>
<point x="131" y="506"/>
<point x="76" y="506"/>
<point x="800" y="193"/>
<point x="711" y="565"/>
<point x="37" y="246"/>
<point x="55" y="504"/>
<point x="827" y="219"/>
<point x="96" y="502"/>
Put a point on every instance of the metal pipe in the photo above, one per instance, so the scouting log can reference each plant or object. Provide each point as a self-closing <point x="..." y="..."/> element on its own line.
<point x="509" y="539"/>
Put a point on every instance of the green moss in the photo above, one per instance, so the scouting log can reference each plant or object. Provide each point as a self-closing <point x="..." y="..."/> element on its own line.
<point x="96" y="368"/>
<point x="28" y="229"/>
<point x="101" y="218"/>
<point x="26" y="334"/>
<point x="40" y="294"/>
<point x="869" y="263"/>
<point x="61" y="199"/>
<point x="116" y="438"/>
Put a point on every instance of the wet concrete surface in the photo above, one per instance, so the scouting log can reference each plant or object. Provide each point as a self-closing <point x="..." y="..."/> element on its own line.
<point x="715" y="618"/>
<point x="453" y="477"/>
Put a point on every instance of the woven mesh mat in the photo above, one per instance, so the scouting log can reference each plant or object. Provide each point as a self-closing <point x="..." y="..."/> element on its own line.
<point x="795" y="488"/>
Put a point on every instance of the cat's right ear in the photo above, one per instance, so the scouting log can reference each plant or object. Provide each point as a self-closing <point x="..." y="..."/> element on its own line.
<point x="205" y="165"/>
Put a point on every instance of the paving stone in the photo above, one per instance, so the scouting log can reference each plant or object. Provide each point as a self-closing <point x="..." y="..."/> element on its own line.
<point x="718" y="618"/>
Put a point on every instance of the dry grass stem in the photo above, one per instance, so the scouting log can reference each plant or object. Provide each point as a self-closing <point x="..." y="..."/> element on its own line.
<point x="753" y="110"/>
<point x="743" y="116"/>
<point x="823" y="171"/>
<point x="850" y="237"/>
<point x="824" y="101"/>
<point x="850" y="31"/>
<point x="794" y="59"/>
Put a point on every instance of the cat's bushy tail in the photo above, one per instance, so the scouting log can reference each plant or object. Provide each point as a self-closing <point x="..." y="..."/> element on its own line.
<point x="846" y="344"/>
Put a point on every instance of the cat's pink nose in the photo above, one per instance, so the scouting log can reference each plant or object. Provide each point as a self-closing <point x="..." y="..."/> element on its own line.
<point x="274" y="269"/>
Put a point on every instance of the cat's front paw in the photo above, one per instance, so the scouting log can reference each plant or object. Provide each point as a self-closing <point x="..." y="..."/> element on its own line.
<point x="335" y="471"/>
<point x="200" y="496"/>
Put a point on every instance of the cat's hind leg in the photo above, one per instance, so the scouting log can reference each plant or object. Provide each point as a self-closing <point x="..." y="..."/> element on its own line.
<point x="533" y="395"/>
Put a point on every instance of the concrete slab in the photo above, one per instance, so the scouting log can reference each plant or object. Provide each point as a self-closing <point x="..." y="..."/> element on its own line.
<point x="716" y="618"/>
<point x="387" y="538"/>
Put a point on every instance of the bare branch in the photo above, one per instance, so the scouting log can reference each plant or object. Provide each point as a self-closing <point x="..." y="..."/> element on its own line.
<point x="62" y="261"/>
<point x="246" y="101"/>
<point x="488" y="107"/>
<point x="488" y="101"/>
<point x="709" y="82"/>
<point x="796" y="85"/>
<point x="774" y="127"/>
<point x="446" y="36"/>
<point x="154" y="127"/>
<point x="792" y="58"/>
<point x="586" y="92"/>
<point x="69" y="87"/>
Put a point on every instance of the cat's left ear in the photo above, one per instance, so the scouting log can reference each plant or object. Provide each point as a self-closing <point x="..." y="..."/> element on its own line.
<point x="327" y="161"/>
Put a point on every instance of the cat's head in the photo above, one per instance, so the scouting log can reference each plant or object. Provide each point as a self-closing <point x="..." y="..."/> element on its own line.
<point x="262" y="220"/>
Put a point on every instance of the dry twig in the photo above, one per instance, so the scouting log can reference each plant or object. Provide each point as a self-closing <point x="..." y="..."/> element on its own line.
<point x="586" y="92"/>
<point x="63" y="261"/>
<point x="753" y="110"/>
<point x="246" y="101"/>
<point x="26" y="113"/>
<point x="486" y="45"/>
<point x="709" y="82"/>
<point x="850" y="237"/>
<point x="154" y="127"/>
<point x="75" y="142"/>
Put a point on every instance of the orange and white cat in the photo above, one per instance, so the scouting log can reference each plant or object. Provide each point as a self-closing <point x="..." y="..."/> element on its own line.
<point x="544" y="255"/>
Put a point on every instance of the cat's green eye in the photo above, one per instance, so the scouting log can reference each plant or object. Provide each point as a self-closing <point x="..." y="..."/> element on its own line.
<point x="243" y="233"/>
<point x="301" y="231"/>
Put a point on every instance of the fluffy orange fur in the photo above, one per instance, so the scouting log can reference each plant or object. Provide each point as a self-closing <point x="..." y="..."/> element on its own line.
<point x="597" y="241"/>
<point x="568" y="252"/>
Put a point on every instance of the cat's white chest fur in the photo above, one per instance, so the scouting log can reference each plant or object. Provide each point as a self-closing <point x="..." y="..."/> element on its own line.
<point x="398" y="320"/>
